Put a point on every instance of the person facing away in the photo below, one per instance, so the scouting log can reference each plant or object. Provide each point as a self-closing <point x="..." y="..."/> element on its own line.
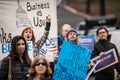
<point x="100" y="47"/>
<point x="39" y="70"/>
<point x="28" y="34"/>
<point x="20" y="61"/>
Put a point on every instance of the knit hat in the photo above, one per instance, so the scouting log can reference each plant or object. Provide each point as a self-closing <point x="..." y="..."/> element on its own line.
<point x="71" y="30"/>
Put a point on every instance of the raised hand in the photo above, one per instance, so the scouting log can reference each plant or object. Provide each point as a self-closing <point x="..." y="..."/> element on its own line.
<point x="48" y="18"/>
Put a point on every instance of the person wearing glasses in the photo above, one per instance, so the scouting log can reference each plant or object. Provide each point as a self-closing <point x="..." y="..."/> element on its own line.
<point x="100" y="47"/>
<point x="39" y="70"/>
<point x="72" y="36"/>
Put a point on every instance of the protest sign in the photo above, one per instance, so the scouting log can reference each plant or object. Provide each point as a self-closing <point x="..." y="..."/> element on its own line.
<point x="91" y="70"/>
<point x="72" y="62"/>
<point x="86" y="41"/>
<point x="16" y="15"/>
<point x="107" y="60"/>
<point x="7" y="47"/>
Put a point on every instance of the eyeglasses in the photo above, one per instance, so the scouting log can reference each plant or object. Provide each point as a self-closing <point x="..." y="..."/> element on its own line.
<point x="38" y="63"/>
<point x="72" y="33"/>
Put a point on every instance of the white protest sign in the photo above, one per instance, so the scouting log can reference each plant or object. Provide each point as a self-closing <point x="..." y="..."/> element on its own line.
<point x="16" y="15"/>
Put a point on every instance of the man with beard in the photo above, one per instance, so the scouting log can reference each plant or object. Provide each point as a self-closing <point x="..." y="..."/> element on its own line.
<point x="72" y="36"/>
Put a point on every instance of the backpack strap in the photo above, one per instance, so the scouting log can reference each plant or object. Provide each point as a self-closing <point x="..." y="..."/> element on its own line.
<point x="9" y="70"/>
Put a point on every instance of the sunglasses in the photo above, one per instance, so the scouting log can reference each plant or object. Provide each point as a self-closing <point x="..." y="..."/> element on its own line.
<point x="40" y="63"/>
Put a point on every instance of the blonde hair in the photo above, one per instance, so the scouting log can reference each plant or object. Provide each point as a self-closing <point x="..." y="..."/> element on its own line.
<point x="32" y="68"/>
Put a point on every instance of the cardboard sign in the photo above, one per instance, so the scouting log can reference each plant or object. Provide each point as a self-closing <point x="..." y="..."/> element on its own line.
<point x="72" y="62"/>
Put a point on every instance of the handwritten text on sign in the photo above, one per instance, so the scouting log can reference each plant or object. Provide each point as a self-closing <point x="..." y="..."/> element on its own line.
<point x="72" y="63"/>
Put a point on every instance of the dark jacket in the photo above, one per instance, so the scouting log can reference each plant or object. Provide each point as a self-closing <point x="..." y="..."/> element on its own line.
<point x="19" y="71"/>
<point x="31" y="78"/>
<point x="108" y="73"/>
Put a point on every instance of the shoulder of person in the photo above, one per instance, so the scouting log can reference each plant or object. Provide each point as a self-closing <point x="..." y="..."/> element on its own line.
<point x="28" y="77"/>
<point x="47" y="78"/>
<point x="6" y="59"/>
<point x="97" y="44"/>
<point x="112" y="44"/>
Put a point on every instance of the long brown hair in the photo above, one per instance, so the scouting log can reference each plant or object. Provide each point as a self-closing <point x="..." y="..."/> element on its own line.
<point x="13" y="51"/>
<point x="33" y="37"/>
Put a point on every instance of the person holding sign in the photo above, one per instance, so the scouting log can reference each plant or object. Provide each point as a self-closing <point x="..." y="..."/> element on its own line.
<point x="73" y="59"/>
<point x="69" y="34"/>
<point x="100" y="47"/>
<point x="28" y="34"/>
<point x="17" y="62"/>
<point x="72" y="36"/>
<point x="39" y="70"/>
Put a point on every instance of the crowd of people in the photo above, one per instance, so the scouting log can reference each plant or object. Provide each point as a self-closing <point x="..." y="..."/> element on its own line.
<point x="23" y="68"/>
<point x="19" y="60"/>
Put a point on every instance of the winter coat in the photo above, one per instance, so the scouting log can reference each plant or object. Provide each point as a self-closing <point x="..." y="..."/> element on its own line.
<point x="28" y="77"/>
<point x="108" y="73"/>
<point x="19" y="71"/>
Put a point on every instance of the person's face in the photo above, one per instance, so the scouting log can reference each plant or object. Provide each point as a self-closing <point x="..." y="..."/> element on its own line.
<point x="72" y="36"/>
<point x="40" y="67"/>
<point x="27" y="35"/>
<point x="20" y="47"/>
<point x="102" y="34"/>
<point x="65" y="29"/>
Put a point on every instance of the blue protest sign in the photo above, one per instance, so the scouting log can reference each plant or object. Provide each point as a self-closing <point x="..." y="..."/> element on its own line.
<point x="72" y="62"/>
<point x="109" y="59"/>
<point x="86" y="41"/>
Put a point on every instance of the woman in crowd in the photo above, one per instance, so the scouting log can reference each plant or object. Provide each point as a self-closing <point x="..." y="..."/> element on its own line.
<point x="39" y="70"/>
<point x="28" y="34"/>
<point x="19" y="59"/>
